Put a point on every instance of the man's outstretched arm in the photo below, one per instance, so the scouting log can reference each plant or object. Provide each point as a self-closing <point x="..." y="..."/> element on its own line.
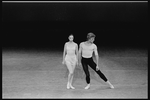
<point x="97" y="57"/>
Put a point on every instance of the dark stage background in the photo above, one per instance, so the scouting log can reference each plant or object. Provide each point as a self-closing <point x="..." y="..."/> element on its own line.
<point x="46" y="26"/>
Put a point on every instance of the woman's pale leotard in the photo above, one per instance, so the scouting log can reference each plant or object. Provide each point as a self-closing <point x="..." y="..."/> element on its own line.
<point x="71" y="57"/>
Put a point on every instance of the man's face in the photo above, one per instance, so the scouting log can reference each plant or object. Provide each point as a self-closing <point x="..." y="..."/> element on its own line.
<point x="92" y="39"/>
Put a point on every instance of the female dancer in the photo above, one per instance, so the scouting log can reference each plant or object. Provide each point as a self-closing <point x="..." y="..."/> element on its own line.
<point x="70" y="56"/>
<point x="86" y="50"/>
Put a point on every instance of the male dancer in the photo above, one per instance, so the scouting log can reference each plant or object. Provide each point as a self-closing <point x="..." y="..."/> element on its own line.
<point x="86" y="50"/>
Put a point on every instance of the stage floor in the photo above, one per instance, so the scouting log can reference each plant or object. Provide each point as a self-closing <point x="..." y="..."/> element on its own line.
<point x="42" y="75"/>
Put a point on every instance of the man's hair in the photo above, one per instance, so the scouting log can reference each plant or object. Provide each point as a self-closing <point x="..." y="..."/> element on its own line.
<point x="71" y="35"/>
<point x="90" y="35"/>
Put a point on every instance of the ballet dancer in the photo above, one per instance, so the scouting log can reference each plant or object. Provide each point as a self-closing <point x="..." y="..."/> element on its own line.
<point x="86" y="50"/>
<point x="70" y="59"/>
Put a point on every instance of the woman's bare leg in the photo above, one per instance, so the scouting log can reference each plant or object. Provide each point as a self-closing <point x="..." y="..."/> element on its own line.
<point x="68" y="83"/>
<point x="69" y="75"/>
<point x="73" y="67"/>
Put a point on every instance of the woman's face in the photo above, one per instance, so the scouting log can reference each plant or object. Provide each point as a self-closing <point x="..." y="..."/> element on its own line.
<point x="71" y="38"/>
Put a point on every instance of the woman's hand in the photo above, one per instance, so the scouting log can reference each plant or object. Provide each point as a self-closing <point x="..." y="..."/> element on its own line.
<point x="63" y="62"/>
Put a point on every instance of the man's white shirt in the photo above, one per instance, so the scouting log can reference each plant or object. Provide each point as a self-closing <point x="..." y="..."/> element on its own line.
<point x="87" y="50"/>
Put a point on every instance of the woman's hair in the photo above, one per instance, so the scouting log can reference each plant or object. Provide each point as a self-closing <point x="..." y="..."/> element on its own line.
<point x="90" y="35"/>
<point x="71" y="35"/>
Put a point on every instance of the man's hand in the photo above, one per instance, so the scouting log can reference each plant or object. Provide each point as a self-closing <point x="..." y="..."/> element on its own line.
<point x="97" y="68"/>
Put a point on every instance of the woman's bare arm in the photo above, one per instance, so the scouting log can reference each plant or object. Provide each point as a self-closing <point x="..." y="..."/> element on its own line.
<point x="77" y="52"/>
<point x="64" y="53"/>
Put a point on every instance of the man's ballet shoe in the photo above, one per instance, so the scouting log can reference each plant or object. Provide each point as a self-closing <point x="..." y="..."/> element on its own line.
<point x="111" y="86"/>
<point x="87" y="87"/>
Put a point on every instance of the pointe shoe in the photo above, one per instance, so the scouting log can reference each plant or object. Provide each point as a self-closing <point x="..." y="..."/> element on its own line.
<point x="87" y="87"/>
<point x="68" y="86"/>
<point x="72" y="87"/>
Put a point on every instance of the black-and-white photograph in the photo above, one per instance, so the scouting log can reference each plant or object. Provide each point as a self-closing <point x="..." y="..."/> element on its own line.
<point x="74" y="49"/>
